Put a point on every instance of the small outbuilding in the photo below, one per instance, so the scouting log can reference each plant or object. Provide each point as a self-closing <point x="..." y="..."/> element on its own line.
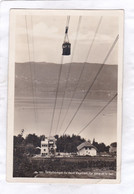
<point x="86" y="149"/>
<point x="113" y="148"/>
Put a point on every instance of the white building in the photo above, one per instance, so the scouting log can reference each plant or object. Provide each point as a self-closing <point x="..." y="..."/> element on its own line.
<point x="113" y="148"/>
<point x="48" y="146"/>
<point x="44" y="147"/>
<point x="86" y="149"/>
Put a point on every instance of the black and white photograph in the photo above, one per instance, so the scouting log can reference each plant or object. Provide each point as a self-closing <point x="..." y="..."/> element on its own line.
<point x="65" y="91"/>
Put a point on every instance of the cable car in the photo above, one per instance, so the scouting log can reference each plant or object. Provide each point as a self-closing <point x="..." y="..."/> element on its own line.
<point x="66" y="46"/>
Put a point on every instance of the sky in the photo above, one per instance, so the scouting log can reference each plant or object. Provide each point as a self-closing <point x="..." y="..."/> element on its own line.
<point x="45" y="34"/>
<point x="38" y="56"/>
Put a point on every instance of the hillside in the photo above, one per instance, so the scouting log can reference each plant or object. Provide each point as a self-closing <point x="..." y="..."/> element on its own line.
<point x="41" y="78"/>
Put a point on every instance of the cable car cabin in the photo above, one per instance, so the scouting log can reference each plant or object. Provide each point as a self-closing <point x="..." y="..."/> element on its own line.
<point x="66" y="48"/>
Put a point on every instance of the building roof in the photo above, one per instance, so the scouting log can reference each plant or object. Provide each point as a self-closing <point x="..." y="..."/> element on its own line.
<point x="38" y="147"/>
<point x="85" y="144"/>
<point x="114" y="144"/>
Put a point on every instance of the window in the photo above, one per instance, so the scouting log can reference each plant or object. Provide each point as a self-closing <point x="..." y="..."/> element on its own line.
<point x="44" y="145"/>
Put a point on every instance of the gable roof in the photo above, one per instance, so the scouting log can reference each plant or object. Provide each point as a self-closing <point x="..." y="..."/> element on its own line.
<point x="113" y="144"/>
<point x="85" y="144"/>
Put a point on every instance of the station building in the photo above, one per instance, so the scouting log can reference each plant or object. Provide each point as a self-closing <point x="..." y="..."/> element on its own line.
<point x="48" y="146"/>
<point x="86" y="149"/>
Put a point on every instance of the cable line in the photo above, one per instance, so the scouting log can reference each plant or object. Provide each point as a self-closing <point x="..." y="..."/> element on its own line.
<point x="109" y="52"/>
<point x="31" y="72"/>
<point x="57" y="89"/>
<point x="97" y="114"/>
<point x="82" y="70"/>
<point x="66" y="85"/>
<point x="35" y="91"/>
<point x="55" y="102"/>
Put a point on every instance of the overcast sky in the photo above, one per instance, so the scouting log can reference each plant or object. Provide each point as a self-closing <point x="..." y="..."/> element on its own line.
<point x="45" y="34"/>
<point x="39" y="38"/>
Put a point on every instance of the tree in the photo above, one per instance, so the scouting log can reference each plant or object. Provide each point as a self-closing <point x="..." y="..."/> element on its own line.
<point x="42" y="137"/>
<point x="101" y="147"/>
<point x="18" y="140"/>
<point x="56" y="136"/>
<point x="67" y="143"/>
<point x="33" y="139"/>
<point x="30" y="149"/>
